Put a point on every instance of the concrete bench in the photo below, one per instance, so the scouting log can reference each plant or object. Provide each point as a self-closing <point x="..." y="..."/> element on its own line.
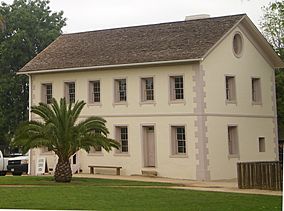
<point x="92" y="168"/>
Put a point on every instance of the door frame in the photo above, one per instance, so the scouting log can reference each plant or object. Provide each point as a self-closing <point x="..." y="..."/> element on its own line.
<point x="143" y="152"/>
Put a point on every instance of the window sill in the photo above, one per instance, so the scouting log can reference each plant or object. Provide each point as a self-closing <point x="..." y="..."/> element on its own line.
<point x="231" y="102"/>
<point x="95" y="154"/>
<point x="94" y="104"/>
<point x="148" y="102"/>
<point x="47" y="153"/>
<point x="121" y="154"/>
<point x="120" y="103"/>
<point x="177" y="102"/>
<point x="256" y="103"/>
<point x="237" y="156"/>
<point x="179" y="156"/>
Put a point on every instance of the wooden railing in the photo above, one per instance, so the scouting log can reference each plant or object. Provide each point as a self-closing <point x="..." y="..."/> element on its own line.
<point x="260" y="175"/>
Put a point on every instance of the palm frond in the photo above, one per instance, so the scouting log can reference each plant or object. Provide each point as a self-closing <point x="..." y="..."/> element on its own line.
<point x="61" y="132"/>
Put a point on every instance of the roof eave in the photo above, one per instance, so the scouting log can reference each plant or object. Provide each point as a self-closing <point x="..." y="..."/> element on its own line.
<point x="182" y="61"/>
<point x="274" y="58"/>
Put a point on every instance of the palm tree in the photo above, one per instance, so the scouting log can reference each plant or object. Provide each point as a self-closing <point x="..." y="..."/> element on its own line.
<point x="61" y="132"/>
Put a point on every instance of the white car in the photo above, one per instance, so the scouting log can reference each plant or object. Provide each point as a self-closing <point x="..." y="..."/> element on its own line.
<point x="17" y="165"/>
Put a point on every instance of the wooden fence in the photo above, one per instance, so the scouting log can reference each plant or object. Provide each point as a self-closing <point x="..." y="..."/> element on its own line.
<point x="260" y="175"/>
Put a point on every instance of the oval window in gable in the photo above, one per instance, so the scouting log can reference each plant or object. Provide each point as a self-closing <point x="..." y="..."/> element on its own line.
<point x="238" y="44"/>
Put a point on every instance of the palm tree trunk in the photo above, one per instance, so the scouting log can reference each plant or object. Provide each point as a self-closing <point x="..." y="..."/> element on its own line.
<point x="63" y="171"/>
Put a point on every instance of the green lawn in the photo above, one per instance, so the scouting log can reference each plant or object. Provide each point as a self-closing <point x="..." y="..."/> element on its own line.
<point x="103" y="194"/>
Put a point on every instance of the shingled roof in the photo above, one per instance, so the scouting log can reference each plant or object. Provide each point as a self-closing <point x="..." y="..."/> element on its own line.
<point x="183" y="40"/>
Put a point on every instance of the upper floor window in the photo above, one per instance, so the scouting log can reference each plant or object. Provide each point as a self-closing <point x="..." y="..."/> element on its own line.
<point x="47" y="93"/>
<point x="230" y="89"/>
<point x="147" y="88"/>
<point x="120" y="90"/>
<point x="178" y="140"/>
<point x="122" y="138"/>
<point x="95" y="91"/>
<point x="261" y="144"/>
<point x="233" y="141"/>
<point x="256" y="90"/>
<point x="176" y="88"/>
<point x="70" y="92"/>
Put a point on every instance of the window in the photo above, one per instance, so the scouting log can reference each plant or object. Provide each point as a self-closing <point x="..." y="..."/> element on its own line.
<point x="122" y="138"/>
<point x="97" y="149"/>
<point x="178" y="140"/>
<point x="120" y="90"/>
<point x="237" y="44"/>
<point x="95" y="91"/>
<point x="47" y="93"/>
<point x="70" y="92"/>
<point x="230" y="89"/>
<point x="261" y="144"/>
<point x="256" y="90"/>
<point x="176" y="88"/>
<point x="45" y="150"/>
<point x="147" y="87"/>
<point x="233" y="141"/>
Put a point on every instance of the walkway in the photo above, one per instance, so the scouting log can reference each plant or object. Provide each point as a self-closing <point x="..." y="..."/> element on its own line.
<point x="219" y="186"/>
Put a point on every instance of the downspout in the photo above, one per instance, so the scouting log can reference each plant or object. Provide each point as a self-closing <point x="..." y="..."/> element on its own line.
<point x="30" y="118"/>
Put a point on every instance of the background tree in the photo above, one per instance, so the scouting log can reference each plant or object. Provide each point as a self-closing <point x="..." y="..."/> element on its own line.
<point x="273" y="29"/>
<point x="27" y="27"/>
<point x="61" y="132"/>
<point x="2" y="24"/>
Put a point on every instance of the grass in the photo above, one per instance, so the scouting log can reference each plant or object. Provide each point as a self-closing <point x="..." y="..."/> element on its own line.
<point x="104" y="194"/>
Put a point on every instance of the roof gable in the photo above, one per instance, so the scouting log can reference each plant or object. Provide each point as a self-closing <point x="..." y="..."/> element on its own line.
<point x="184" y="40"/>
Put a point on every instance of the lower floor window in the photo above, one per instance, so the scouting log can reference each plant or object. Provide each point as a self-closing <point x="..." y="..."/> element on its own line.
<point x="122" y="138"/>
<point x="178" y="140"/>
<point x="233" y="140"/>
<point x="95" y="149"/>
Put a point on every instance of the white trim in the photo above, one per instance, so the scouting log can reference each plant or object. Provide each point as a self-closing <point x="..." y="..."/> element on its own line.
<point x="141" y="100"/>
<point x="110" y="66"/>
<point x="118" y="152"/>
<point x="114" y="81"/>
<point x="176" y="101"/>
<point x="30" y="118"/>
<point x="181" y="114"/>
<point x="176" y="154"/>
<point x="237" y="155"/>
<point x="89" y="102"/>
<point x="238" y="55"/>
<point x="234" y="101"/>
<point x="142" y="138"/>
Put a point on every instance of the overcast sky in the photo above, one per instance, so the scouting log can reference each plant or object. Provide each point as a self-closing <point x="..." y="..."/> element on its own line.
<point x="88" y="15"/>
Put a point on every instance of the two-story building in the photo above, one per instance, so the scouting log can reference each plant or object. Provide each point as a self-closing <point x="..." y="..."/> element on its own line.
<point x="186" y="99"/>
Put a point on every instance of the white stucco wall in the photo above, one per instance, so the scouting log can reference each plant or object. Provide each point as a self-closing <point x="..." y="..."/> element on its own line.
<point x="253" y="121"/>
<point x="161" y="114"/>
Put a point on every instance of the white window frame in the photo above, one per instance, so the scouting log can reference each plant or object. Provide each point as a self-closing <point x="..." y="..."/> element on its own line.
<point x="117" y="130"/>
<point x="117" y="94"/>
<point x="67" y="91"/>
<point x="92" y="92"/>
<point x="93" y="151"/>
<point x="233" y="141"/>
<point x="230" y="89"/>
<point x="44" y="94"/>
<point x="256" y="93"/>
<point x="174" y="141"/>
<point x="144" y="90"/>
<point x="172" y="89"/>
